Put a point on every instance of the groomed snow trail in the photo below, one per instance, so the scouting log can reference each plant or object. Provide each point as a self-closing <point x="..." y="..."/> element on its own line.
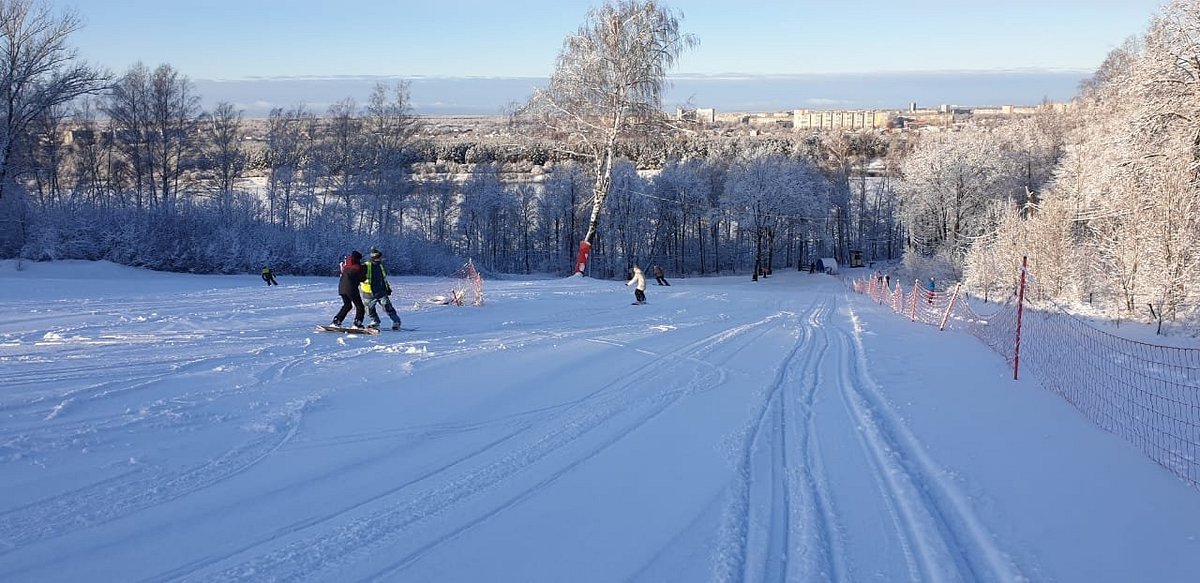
<point x="789" y="520"/>
<point x="726" y="431"/>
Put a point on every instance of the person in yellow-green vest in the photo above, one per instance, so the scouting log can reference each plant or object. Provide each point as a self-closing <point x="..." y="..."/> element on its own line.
<point x="375" y="290"/>
<point x="269" y="277"/>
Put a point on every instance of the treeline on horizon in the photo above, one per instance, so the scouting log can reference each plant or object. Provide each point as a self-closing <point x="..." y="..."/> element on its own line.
<point x="141" y="176"/>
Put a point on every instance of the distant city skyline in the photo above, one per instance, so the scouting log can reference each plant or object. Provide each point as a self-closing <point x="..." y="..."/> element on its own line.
<point x="748" y="93"/>
<point x="306" y="49"/>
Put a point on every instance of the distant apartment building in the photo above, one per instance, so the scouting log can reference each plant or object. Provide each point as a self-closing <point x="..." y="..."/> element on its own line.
<point x="807" y="119"/>
<point x="705" y="115"/>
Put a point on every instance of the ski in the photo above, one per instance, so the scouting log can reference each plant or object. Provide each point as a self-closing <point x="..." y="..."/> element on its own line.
<point x="345" y="330"/>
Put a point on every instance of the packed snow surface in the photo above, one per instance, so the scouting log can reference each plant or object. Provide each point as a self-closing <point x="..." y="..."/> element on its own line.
<point x="158" y="427"/>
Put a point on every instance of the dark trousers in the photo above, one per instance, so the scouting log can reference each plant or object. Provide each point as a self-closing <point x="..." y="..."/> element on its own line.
<point x="347" y="301"/>
<point x="270" y="279"/>
<point x="661" y="280"/>
<point x="386" y="301"/>
<point x="639" y="295"/>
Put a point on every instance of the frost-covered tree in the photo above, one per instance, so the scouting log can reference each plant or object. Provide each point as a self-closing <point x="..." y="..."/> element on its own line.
<point x="843" y="157"/>
<point x="685" y="211"/>
<point x="289" y="143"/>
<point x="92" y="156"/>
<point x="608" y="85"/>
<point x="390" y="128"/>
<point x="480" y="221"/>
<point x="436" y="207"/>
<point x="564" y="193"/>
<point x="46" y="155"/>
<point x="39" y="71"/>
<point x="221" y="138"/>
<point x="339" y="161"/>
<point x="766" y="193"/>
<point x="130" y="120"/>
<point x="1166" y="143"/>
<point x="947" y="183"/>
<point x="1118" y="223"/>
<point x="627" y="213"/>
<point x="154" y="117"/>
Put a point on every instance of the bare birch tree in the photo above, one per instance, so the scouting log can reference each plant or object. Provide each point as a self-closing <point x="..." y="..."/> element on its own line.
<point x="38" y="71"/>
<point x="154" y="117"/>
<point x="608" y="85"/>
<point x="222" y="129"/>
<point x="289" y="143"/>
<point x="390" y="129"/>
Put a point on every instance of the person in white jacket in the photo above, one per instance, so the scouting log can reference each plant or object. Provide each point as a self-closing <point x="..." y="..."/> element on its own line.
<point x="639" y="285"/>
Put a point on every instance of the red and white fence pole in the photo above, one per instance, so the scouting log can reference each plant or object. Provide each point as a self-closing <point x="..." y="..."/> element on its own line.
<point x="916" y="291"/>
<point x="1020" y="314"/>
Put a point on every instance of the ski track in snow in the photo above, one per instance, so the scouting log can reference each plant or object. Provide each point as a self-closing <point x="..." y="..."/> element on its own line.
<point x="145" y="369"/>
<point x="934" y="519"/>
<point x="780" y="518"/>
<point x="778" y="523"/>
<point x="601" y="419"/>
<point x="781" y="522"/>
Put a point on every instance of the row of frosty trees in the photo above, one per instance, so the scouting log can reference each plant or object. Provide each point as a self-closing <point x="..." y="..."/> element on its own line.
<point x="149" y="179"/>
<point x="1102" y="197"/>
<point x="1112" y="212"/>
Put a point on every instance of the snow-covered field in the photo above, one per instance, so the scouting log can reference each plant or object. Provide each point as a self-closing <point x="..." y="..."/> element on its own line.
<point x="162" y="426"/>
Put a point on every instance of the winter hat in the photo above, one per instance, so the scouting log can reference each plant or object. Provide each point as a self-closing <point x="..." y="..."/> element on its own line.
<point x="356" y="256"/>
<point x="376" y="254"/>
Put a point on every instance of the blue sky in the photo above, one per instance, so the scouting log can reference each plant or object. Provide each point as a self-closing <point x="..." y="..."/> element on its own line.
<point x="227" y="39"/>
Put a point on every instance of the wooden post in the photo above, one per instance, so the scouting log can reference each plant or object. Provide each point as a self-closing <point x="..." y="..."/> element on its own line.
<point x="950" y="307"/>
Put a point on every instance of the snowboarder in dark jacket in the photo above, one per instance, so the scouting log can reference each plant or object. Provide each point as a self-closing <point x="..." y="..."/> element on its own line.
<point x="269" y="277"/>
<point x="352" y="275"/>
<point x="376" y="290"/>
<point x="658" y="276"/>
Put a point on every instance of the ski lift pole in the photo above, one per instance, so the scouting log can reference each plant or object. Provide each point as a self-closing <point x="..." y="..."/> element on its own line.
<point x="1020" y="314"/>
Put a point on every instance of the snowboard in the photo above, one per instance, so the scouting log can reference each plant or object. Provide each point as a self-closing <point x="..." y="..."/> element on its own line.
<point x="332" y="328"/>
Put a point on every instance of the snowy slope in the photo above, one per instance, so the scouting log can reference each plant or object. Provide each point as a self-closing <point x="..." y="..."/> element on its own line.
<point x="157" y="427"/>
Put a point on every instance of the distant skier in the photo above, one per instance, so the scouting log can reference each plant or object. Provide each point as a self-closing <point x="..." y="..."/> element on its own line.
<point x="376" y="290"/>
<point x="269" y="277"/>
<point x="930" y="289"/>
<point x="658" y="276"/>
<point x="639" y="285"/>
<point x="352" y="275"/>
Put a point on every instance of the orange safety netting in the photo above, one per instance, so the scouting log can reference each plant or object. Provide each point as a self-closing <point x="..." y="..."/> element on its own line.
<point x="1148" y="394"/>
<point x="470" y="281"/>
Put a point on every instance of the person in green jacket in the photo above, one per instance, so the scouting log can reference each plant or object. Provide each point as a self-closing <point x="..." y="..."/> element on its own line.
<point x="269" y="277"/>
<point x="376" y="291"/>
